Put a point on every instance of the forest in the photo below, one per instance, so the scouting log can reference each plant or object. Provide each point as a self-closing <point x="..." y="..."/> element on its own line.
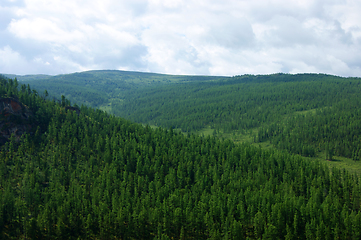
<point x="99" y="88"/>
<point x="306" y="114"/>
<point x="81" y="173"/>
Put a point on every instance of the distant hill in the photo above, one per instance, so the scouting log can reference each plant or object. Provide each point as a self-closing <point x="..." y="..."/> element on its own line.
<point x="276" y="108"/>
<point x="97" y="88"/>
<point x="27" y="77"/>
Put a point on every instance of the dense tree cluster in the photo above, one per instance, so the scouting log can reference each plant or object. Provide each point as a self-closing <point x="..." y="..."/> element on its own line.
<point x="102" y="87"/>
<point x="237" y="103"/>
<point x="335" y="130"/>
<point x="95" y="176"/>
<point x="304" y="113"/>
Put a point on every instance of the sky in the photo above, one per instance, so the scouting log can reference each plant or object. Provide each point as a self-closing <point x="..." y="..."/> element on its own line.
<point x="203" y="37"/>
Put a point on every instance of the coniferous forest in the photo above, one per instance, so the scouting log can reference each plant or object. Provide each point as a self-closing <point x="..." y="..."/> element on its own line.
<point x="70" y="172"/>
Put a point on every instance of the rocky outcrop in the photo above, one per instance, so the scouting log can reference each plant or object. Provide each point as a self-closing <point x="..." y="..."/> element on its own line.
<point x="75" y="109"/>
<point x="14" y="119"/>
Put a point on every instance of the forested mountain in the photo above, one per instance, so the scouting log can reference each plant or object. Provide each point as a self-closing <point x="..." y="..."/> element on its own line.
<point x="101" y="87"/>
<point x="307" y="114"/>
<point x="335" y="130"/>
<point x="237" y="103"/>
<point x="27" y="77"/>
<point x="85" y="174"/>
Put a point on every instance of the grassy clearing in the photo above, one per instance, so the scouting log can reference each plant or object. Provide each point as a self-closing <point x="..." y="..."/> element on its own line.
<point x="236" y="136"/>
<point x="248" y="136"/>
<point x="348" y="164"/>
<point x="106" y="108"/>
<point x="264" y="145"/>
<point x="312" y="111"/>
<point x="207" y="131"/>
<point x="341" y="163"/>
<point x="151" y="126"/>
<point x="240" y="136"/>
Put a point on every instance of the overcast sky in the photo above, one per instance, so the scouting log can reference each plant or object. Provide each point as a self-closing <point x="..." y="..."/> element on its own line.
<point x="208" y="37"/>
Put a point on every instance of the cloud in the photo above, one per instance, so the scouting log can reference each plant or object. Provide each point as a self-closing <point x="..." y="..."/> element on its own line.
<point x="5" y="18"/>
<point x="8" y="58"/>
<point x="234" y="33"/>
<point x="12" y="3"/>
<point x="287" y="31"/>
<point x="181" y="36"/>
<point x="43" y="30"/>
<point x="10" y="61"/>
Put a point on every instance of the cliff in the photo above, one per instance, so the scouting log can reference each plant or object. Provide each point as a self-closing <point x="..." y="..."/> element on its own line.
<point x="14" y="119"/>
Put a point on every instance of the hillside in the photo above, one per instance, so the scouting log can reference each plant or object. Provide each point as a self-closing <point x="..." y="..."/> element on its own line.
<point x="101" y="87"/>
<point x="90" y="175"/>
<point x="314" y="115"/>
<point x="27" y="77"/>
<point x="237" y="103"/>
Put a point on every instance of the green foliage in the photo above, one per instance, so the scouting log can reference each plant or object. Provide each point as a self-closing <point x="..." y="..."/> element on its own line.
<point x="95" y="176"/>
<point x="101" y="88"/>
<point x="237" y="103"/>
<point x="334" y="130"/>
<point x="303" y="114"/>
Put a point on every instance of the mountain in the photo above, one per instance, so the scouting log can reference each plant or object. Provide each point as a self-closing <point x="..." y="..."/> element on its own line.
<point x="314" y="115"/>
<point x="97" y="88"/>
<point x="27" y="77"/>
<point x="90" y="175"/>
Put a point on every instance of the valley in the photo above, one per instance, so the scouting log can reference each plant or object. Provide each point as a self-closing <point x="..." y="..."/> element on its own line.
<point x="241" y="108"/>
<point x="182" y="157"/>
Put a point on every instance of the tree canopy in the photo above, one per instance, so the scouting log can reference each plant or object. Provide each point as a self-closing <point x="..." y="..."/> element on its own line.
<point x="91" y="175"/>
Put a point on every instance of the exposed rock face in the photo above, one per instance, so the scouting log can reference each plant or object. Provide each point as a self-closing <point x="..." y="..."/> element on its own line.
<point x="77" y="110"/>
<point x="14" y="119"/>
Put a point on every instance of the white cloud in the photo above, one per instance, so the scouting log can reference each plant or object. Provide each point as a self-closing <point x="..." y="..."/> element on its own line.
<point x="182" y="36"/>
<point x="43" y="30"/>
<point x="8" y="58"/>
<point x="13" y="62"/>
